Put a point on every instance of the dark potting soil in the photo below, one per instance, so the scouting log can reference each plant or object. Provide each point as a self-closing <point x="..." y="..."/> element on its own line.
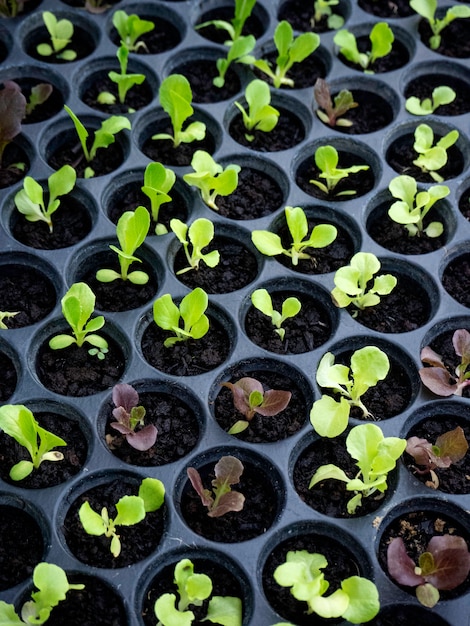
<point x="395" y="237"/>
<point x="304" y="74"/>
<point x="256" y="195"/>
<point x="49" y="473"/>
<point x="360" y="183"/>
<point x="341" y="564"/>
<point x="299" y="14"/>
<point x="407" y="615"/>
<point x="9" y="377"/>
<point x="396" y="58"/>
<point x="372" y="114"/>
<point x="442" y="345"/>
<point x="322" y="260"/>
<point x="71" y="223"/>
<point x="21" y="546"/>
<point x="454" y="479"/>
<point x="252" y="26"/>
<point x="401" y="154"/>
<point x="237" y="267"/>
<point x="201" y="73"/>
<point x="263" y="429"/>
<point x="330" y="497"/>
<point x="177" y="425"/>
<point x="456" y="279"/>
<point x="82" y="43"/>
<point x="258" y="514"/>
<point x="309" y="329"/>
<point x="14" y="165"/>
<point x="423" y="86"/>
<point x="288" y="132"/>
<point x="73" y="372"/>
<point x="70" y="152"/>
<point x="163" y="150"/>
<point x="464" y="204"/>
<point x="138" y="541"/>
<point x="416" y="529"/>
<point x="454" y="38"/>
<point x="186" y="358"/>
<point x="224" y="583"/>
<point x="163" y="37"/>
<point x="105" y="4"/>
<point x="137" y="97"/>
<point x="27" y="291"/>
<point x="389" y="8"/>
<point x="41" y="112"/>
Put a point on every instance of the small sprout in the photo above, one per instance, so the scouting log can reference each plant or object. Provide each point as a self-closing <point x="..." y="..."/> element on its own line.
<point x="328" y="416"/>
<point x="193" y="589"/>
<point x="11" y="8"/>
<point x="376" y="456"/>
<point x="381" y="38"/>
<point x="175" y="97"/>
<point x="444" y="566"/>
<point x="328" y="112"/>
<point x="5" y="315"/>
<point x="158" y="182"/>
<point x="30" y="200"/>
<point x="239" y="52"/>
<point x="211" y="178"/>
<point x="123" y="80"/>
<point x="39" y="94"/>
<point x="78" y="305"/>
<point x="249" y="397"/>
<point x="352" y="283"/>
<point x="191" y="312"/>
<point x="357" y="601"/>
<point x="52" y="587"/>
<point x="131" y="230"/>
<point x="412" y="206"/>
<point x="129" y="416"/>
<point x="427" y="9"/>
<point x="130" y="511"/>
<point x="61" y="33"/>
<point x="130" y="28"/>
<point x="290" y="50"/>
<point x="12" y="111"/>
<point x="432" y="158"/>
<point x="449" y="448"/>
<point x="234" y="28"/>
<point x="221" y="499"/>
<point x="103" y="136"/>
<point x="261" y="116"/>
<point x="270" y="244"/>
<point x="96" y="6"/>
<point x="323" y="9"/>
<point x="17" y="421"/>
<point x="290" y="307"/>
<point x="440" y="96"/>
<point x="198" y="236"/>
<point x="439" y="378"/>
<point x="326" y="159"/>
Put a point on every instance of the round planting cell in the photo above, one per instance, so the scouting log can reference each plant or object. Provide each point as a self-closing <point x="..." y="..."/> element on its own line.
<point x="456" y="274"/>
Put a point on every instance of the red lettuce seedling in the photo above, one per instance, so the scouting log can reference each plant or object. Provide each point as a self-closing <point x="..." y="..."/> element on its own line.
<point x="221" y="499"/>
<point x="249" y="398"/>
<point x="449" y="448"/>
<point x="331" y="112"/>
<point x="439" y="378"/>
<point x="129" y="415"/>
<point x="444" y="566"/>
<point x="12" y="111"/>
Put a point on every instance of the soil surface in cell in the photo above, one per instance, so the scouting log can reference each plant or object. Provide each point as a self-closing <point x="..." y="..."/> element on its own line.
<point x="164" y="151"/>
<point x="70" y="153"/>
<point x="9" y="377"/>
<point x="164" y="36"/>
<point x="454" y="38"/>
<point x="201" y="73"/>
<point x="456" y="279"/>
<point x="136" y="98"/>
<point x="303" y="74"/>
<point x="47" y="109"/>
<point x="82" y="43"/>
<point x="25" y="291"/>
<point x="288" y="132"/>
<point x="372" y="113"/>
<point x="423" y="86"/>
<point x="390" y="8"/>
<point x="300" y="13"/>
<point x="252" y="26"/>
<point x="9" y="172"/>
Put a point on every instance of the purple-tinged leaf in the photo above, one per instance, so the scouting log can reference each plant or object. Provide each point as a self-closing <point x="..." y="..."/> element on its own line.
<point x="274" y="402"/>
<point x="12" y="111"/>
<point x="451" y="561"/>
<point x="125" y="396"/>
<point x="437" y="380"/>
<point x="196" y="482"/>
<point x="228" y="470"/>
<point x="142" y="439"/>
<point x="431" y="358"/>
<point x="422" y="451"/>
<point x="400" y="566"/>
<point x="122" y="416"/>
<point x="241" y="391"/>
<point x="231" y="501"/>
<point x="121" y="427"/>
<point x="461" y="343"/>
<point x="452" y="445"/>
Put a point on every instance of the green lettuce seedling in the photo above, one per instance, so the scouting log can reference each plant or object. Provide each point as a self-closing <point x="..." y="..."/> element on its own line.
<point x="175" y="97"/>
<point x="39" y="94"/>
<point x="427" y="9"/>
<point x="441" y="379"/>
<point x="123" y="80"/>
<point x="270" y="244"/>
<point x="130" y="28"/>
<point x="412" y="206"/>
<point x="331" y="113"/>
<point x="4" y="315"/>
<point x="234" y="28"/>
<point x="322" y="9"/>
<point x="52" y="587"/>
<point x="328" y="416"/>
<point x="61" y="33"/>
<point x="250" y="398"/>
<point x="130" y="511"/>
<point x="440" y="96"/>
<point x="198" y="236"/>
<point x="375" y="456"/>
<point x="158" y="182"/>
<point x="194" y="589"/>
<point x="131" y="230"/>
<point x="239" y="52"/>
<point x="211" y="178"/>
<point x="221" y="499"/>
<point x="357" y="601"/>
<point x="103" y="136"/>
<point x="326" y="160"/>
<point x="262" y="301"/>
<point x="12" y="111"/>
<point x="191" y="312"/>
<point x="17" y="421"/>
<point x="78" y="305"/>
<point x="353" y="283"/>
<point x="381" y="38"/>
<point x="432" y="157"/>
<point x="290" y="50"/>
<point x="30" y="200"/>
<point x="261" y="115"/>
<point x="129" y="416"/>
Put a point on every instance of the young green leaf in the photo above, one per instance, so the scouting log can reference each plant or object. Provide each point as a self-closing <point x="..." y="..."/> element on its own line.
<point x="427" y="9"/>
<point x="61" y="33"/>
<point x="239" y="52"/>
<point x="432" y="157"/>
<point x="191" y="312"/>
<point x="440" y="96"/>
<point x="211" y="178"/>
<point x="326" y="160"/>
<point x="124" y="80"/>
<point x="130" y="28"/>
<point x="39" y="94"/>
<point x="4" y="315"/>
<point x="381" y="39"/>
<point x="262" y="301"/>
<point x="322" y="9"/>
<point x="331" y="113"/>
<point x="158" y="182"/>
<point x="261" y="116"/>
<point x="194" y="239"/>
